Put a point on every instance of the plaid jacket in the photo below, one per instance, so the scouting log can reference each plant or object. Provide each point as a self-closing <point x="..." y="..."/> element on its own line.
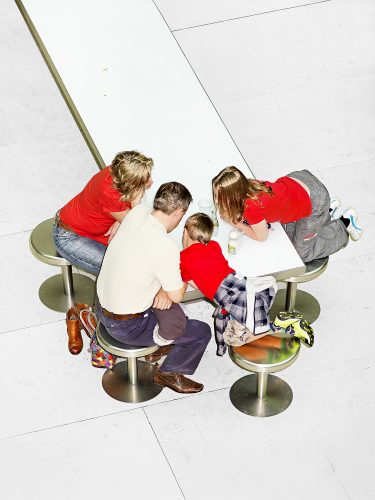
<point x="233" y="295"/>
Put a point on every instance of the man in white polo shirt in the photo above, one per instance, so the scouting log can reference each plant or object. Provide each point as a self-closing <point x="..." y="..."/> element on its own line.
<point x="140" y="284"/>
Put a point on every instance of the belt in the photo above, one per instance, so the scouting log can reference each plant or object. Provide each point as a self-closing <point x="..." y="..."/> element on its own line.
<point x="60" y="223"/>
<point x="122" y="317"/>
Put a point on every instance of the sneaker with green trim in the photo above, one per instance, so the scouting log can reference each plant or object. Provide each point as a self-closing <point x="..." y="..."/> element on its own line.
<point x="286" y="318"/>
<point x="302" y="330"/>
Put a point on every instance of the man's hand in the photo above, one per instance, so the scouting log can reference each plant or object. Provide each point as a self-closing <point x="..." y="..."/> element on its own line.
<point x="112" y="231"/>
<point x="161" y="300"/>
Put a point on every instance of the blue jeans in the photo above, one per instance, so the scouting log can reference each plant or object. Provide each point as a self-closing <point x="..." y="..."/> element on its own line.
<point x="82" y="252"/>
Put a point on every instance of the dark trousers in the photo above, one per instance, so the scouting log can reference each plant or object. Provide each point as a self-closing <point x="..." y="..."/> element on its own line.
<point x="189" y="343"/>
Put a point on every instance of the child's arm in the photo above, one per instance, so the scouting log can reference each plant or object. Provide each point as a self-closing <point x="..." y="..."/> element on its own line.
<point x="191" y="283"/>
<point x="258" y="232"/>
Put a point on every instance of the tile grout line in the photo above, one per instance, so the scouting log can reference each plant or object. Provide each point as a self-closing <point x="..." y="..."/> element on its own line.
<point x="31" y="326"/>
<point x="165" y="456"/>
<point x="88" y="419"/>
<point x="250" y="15"/>
<point x="204" y="90"/>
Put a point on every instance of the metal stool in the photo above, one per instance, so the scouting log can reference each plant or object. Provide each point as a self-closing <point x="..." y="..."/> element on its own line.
<point x="263" y="395"/>
<point x="58" y="292"/>
<point x="291" y="298"/>
<point x="129" y="381"/>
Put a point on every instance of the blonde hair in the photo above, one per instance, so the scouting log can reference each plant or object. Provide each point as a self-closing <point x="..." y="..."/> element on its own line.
<point x="199" y="227"/>
<point x="230" y="190"/>
<point x="130" y="173"/>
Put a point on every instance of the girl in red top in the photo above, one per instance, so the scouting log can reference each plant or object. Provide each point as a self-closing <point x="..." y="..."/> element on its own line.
<point x="299" y="201"/>
<point x="87" y="223"/>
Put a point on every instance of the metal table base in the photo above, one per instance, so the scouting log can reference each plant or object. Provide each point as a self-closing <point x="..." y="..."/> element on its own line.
<point x="261" y="395"/>
<point x="131" y="381"/>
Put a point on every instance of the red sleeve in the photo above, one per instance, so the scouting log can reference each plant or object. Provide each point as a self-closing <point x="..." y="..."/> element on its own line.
<point x="185" y="275"/>
<point x="253" y="212"/>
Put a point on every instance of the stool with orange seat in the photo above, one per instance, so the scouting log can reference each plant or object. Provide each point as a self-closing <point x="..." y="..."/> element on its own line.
<point x="262" y="394"/>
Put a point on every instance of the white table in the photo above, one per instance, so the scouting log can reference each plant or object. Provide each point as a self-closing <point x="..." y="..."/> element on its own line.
<point x="129" y="86"/>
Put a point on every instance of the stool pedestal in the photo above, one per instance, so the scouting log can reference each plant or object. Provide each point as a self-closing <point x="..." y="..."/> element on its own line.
<point x="291" y="298"/>
<point x="131" y="381"/>
<point x="59" y="294"/>
<point x="261" y="395"/>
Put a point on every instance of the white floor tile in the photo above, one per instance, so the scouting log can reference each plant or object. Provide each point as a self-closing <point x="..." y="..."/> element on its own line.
<point x="47" y="173"/>
<point x="339" y="406"/>
<point x="56" y="387"/>
<point x="230" y="453"/>
<point x="181" y="14"/>
<point x="343" y="330"/>
<point x="269" y="141"/>
<point x="336" y="119"/>
<point x="111" y="457"/>
<point x="21" y="276"/>
<point x="33" y="108"/>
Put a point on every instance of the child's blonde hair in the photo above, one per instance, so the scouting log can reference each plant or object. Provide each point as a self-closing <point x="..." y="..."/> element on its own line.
<point x="200" y="227"/>
<point x="230" y="189"/>
<point x="130" y="172"/>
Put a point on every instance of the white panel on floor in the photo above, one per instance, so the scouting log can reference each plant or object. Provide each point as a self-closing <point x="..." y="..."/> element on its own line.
<point x="229" y="453"/>
<point x="112" y="457"/>
<point x="181" y="14"/>
<point x="39" y="375"/>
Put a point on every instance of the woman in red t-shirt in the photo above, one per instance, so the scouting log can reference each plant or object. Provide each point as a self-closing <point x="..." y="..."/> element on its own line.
<point x="87" y="223"/>
<point x="299" y="201"/>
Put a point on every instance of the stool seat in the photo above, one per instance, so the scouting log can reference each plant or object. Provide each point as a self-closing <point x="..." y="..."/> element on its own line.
<point x="59" y="292"/>
<point x="43" y="247"/>
<point x="267" y="355"/>
<point x="262" y="394"/>
<point x="313" y="269"/>
<point x="117" y="348"/>
<point x="129" y="381"/>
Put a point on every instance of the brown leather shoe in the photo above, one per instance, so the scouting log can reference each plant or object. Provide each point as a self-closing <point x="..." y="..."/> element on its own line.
<point x="155" y="356"/>
<point x="75" y="343"/>
<point x="177" y="382"/>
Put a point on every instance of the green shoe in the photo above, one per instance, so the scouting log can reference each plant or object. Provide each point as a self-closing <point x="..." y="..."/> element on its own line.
<point x="303" y="331"/>
<point x="286" y="318"/>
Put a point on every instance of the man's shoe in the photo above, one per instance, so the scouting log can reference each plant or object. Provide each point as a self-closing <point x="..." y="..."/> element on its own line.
<point x="303" y="331"/>
<point x="75" y="343"/>
<point x="354" y="229"/>
<point x="177" y="382"/>
<point x="335" y="203"/>
<point x="286" y="318"/>
<point x="155" y="356"/>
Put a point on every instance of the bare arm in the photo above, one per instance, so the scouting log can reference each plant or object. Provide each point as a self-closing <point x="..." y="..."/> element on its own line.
<point x="177" y="295"/>
<point x="119" y="217"/>
<point x="258" y="232"/>
<point x="163" y="300"/>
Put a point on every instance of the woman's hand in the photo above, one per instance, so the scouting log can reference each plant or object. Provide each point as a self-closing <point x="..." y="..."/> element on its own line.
<point x="112" y="230"/>
<point x="258" y="232"/>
